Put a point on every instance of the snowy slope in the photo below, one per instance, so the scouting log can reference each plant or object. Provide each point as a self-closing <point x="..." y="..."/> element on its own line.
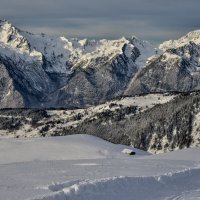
<point x="59" y="120"/>
<point x="87" y="53"/>
<point x="51" y="71"/>
<point x="156" y="123"/>
<point x="193" y="36"/>
<point x="14" y="46"/>
<point x="76" y="147"/>
<point x="175" y="68"/>
<point x="61" y="51"/>
<point x="85" y="167"/>
<point x="128" y="188"/>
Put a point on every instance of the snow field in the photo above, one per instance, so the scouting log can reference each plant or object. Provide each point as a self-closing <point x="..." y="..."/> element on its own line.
<point x="82" y="167"/>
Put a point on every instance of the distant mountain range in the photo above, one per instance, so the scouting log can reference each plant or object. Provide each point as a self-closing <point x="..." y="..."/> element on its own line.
<point x="127" y="91"/>
<point x="46" y="71"/>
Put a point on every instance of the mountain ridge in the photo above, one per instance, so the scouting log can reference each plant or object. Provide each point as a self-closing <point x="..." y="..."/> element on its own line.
<point x="69" y="68"/>
<point x="50" y="71"/>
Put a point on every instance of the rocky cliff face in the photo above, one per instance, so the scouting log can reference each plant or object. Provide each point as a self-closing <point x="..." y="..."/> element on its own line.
<point x="9" y="96"/>
<point x="176" y="68"/>
<point x="43" y="71"/>
<point x="48" y="71"/>
<point x="56" y="71"/>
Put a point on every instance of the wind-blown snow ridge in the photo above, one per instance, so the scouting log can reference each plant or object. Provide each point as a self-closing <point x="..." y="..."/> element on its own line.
<point x="64" y="52"/>
<point x="169" y="186"/>
<point x="51" y="71"/>
<point x="193" y="36"/>
<point x="14" y="45"/>
<point x="85" y="52"/>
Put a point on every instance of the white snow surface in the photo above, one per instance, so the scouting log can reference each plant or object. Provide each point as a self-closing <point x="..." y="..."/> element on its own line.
<point x="82" y="167"/>
<point x="193" y="36"/>
<point x="15" y="46"/>
<point x="85" y="52"/>
<point x="63" y="53"/>
<point x="127" y="151"/>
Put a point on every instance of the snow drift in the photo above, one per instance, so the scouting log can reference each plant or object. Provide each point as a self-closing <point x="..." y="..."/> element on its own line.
<point x="169" y="186"/>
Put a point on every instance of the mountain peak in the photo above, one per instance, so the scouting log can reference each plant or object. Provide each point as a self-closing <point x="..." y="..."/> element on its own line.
<point x="14" y="44"/>
<point x="193" y="36"/>
<point x="5" y="24"/>
<point x="2" y="21"/>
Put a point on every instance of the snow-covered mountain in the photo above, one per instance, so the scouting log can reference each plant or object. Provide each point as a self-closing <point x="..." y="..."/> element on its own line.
<point x="176" y="68"/>
<point x="103" y="83"/>
<point x="193" y="36"/>
<point x="48" y="71"/>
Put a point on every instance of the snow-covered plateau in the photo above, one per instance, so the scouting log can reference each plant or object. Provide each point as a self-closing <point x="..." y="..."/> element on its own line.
<point x="86" y="168"/>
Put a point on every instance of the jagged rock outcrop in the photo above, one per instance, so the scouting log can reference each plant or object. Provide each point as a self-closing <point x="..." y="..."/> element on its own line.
<point x="176" y="68"/>
<point x="9" y="95"/>
<point x="48" y="71"/>
<point x="59" y="72"/>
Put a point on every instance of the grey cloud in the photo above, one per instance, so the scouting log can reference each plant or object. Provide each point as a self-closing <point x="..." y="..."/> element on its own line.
<point x="154" y="20"/>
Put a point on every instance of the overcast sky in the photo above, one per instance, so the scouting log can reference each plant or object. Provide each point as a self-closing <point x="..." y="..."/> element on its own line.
<point x="154" y="20"/>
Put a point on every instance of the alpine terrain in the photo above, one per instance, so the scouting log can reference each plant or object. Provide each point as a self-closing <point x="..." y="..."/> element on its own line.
<point x="121" y="108"/>
<point x="125" y="91"/>
<point x="44" y="71"/>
